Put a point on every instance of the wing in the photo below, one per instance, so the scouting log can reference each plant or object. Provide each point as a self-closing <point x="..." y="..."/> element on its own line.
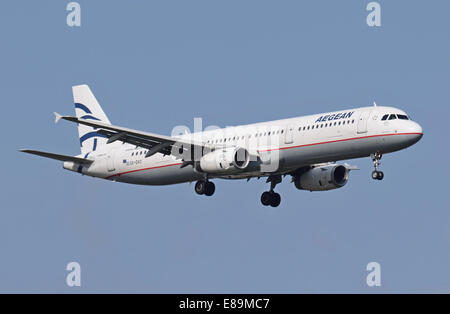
<point x="155" y="143"/>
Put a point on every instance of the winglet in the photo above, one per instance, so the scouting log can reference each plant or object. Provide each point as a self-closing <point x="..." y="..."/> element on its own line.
<point x="57" y="117"/>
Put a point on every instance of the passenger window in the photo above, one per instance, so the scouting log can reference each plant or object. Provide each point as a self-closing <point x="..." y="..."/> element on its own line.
<point x="392" y="117"/>
<point x="385" y="117"/>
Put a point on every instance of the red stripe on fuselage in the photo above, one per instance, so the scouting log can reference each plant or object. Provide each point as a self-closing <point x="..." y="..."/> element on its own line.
<point x="281" y="148"/>
<point x="151" y="168"/>
<point x="341" y="140"/>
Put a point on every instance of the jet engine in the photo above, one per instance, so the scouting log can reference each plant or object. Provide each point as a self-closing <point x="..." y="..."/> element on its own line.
<point x="225" y="160"/>
<point x="322" y="178"/>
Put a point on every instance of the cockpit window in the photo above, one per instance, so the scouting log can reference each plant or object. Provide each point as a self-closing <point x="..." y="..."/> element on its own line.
<point x="392" y="117"/>
<point x="402" y="117"/>
<point x="385" y="117"/>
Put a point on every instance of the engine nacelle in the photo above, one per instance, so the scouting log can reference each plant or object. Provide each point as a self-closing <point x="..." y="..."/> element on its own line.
<point x="227" y="160"/>
<point x="322" y="178"/>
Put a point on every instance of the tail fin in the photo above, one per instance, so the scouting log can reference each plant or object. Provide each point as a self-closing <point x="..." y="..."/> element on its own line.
<point x="87" y="107"/>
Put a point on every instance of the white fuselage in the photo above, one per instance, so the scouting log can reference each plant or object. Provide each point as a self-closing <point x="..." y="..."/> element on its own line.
<point x="287" y="144"/>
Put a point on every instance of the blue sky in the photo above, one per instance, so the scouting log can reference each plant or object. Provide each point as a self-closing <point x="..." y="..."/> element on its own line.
<point x="157" y="64"/>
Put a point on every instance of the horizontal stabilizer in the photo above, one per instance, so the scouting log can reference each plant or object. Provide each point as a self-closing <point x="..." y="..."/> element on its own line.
<point x="58" y="157"/>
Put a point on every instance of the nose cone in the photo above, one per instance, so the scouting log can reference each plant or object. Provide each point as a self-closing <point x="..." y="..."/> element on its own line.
<point x="415" y="132"/>
<point x="417" y="129"/>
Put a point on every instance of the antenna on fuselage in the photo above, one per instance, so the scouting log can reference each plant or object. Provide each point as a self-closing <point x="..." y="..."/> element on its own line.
<point x="374" y="104"/>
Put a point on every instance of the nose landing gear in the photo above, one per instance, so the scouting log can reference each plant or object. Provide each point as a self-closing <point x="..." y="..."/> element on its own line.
<point x="377" y="174"/>
<point x="271" y="197"/>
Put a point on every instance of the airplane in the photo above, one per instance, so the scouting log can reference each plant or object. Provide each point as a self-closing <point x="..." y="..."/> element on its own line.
<point x="306" y="148"/>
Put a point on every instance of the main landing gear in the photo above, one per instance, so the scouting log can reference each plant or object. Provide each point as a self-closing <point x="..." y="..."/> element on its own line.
<point x="205" y="187"/>
<point x="271" y="197"/>
<point x="377" y="174"/>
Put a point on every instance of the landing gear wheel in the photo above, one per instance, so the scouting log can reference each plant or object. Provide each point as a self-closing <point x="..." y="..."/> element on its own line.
<point x="276" y="200"/>
<point x="377" y="175"/>
<point x="210" y="188"/>
<point x="266" y="198"/>
<point x="200" y="187"/>
<point x="380" y="175"/>
<point x="203" y="187"/>
<point x="270" y="199"/>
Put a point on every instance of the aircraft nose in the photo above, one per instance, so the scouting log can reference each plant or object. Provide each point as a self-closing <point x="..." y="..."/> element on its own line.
<point x="416" y="131"/>
<point x="416" y="128"/>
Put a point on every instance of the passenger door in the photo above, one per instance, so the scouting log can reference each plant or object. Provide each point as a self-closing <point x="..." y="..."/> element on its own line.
<point x="362" y="121"/>
<point x="289" y="134"/>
